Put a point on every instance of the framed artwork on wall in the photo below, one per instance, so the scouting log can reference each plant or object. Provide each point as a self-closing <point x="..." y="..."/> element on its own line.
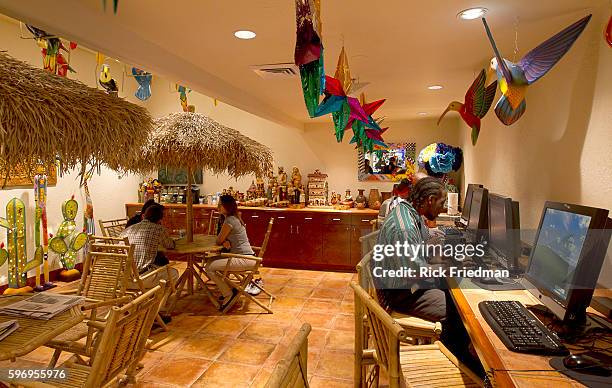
<point x="21" y="177"/>
<point x="390" y="164"/>
<point x="177" y="176"/>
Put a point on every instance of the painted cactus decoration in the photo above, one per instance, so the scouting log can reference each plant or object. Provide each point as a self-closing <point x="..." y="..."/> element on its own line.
<point x="16" y="254"/>
<point x="68" y="241"/>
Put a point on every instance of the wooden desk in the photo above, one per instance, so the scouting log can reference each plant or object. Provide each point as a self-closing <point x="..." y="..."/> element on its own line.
<point x="194" y="251"/>
<point x="34" y="333"/>
<point x="492" y="352"/>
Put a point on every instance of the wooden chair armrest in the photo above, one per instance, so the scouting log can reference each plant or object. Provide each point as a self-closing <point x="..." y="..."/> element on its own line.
<point x="110" y="302"/>
<point x="459" y="364"/>
<point x="154" y="272"/>
<point x="239" y="256"/>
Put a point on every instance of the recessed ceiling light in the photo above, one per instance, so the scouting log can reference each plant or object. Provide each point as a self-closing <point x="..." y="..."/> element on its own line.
<point x="245" y="34"/>
<point x="422" y="113"/>
<point x="472" y="13"/>
<point x="434" y="87"/>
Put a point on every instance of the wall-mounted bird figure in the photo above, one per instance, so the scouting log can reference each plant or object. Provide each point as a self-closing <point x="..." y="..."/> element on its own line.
<point x="107" y="81"/>
<point x="515" y="78"/>
<point x="476" y="104"/>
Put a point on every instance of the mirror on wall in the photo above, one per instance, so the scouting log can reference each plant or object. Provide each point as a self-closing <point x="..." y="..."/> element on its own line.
<point x="396" y="161"/>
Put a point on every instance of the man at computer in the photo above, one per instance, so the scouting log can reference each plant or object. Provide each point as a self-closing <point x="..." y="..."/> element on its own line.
<point x="423" y="298"/>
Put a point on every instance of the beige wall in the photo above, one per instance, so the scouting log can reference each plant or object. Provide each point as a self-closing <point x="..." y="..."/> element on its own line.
<point x="339" y="160"/>
<point x="560" y="149"/>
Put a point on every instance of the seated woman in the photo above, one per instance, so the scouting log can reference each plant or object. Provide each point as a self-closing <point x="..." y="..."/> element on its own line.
<point x="233" y="236"/>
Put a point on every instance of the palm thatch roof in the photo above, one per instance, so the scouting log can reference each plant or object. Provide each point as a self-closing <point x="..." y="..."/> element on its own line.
<point x="194" y="141"/>
<point x="44" y="117"/>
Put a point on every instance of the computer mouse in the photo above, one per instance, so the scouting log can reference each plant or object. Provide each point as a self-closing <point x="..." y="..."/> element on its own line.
<point x="586" y="364"/>
<point x="488" y="280"/>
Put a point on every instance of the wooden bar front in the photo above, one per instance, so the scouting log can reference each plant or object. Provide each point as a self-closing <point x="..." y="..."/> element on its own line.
<point x="309" y="238"/>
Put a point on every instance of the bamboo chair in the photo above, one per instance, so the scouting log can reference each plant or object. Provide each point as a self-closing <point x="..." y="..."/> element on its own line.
<point x="422" y="331"/>
<point x="121" y="244"/>
<point x="212" y="222"/>
<point x="104" y="284"/>
<point x="292" y="370"/>
<point x="409" y="365"/>
<point x="113" y="228"/>
<point x="239" y="279"/>
<point x="118" y="348"/>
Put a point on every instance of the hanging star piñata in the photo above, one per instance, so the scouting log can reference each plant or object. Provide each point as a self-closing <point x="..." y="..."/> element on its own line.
<point x="309" y="51"/>
<point x="515" y="78"/>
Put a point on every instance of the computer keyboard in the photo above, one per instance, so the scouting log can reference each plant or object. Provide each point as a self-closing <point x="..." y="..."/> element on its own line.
<point x="519" y="329"/>
<point x="449" y="230"/>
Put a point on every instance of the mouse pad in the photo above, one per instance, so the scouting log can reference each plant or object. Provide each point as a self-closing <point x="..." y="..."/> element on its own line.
<point x="583" y="378"/>
<point x="498" y="287"/>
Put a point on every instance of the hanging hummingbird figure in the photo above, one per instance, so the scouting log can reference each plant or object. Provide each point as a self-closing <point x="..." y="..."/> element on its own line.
<point x="477" y="101"/>
<point x="107" y="81"/>
<point x="515" y="78"/>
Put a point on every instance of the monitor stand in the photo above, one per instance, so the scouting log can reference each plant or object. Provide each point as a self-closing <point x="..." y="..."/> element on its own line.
<point x="570" y="333"/>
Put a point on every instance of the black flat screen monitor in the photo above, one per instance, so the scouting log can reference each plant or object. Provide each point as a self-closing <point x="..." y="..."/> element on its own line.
<point x="467" y="203"/>
<point x="566" y="260"/>
<point x="477" y="225"/>
<point x="504" y="231"/>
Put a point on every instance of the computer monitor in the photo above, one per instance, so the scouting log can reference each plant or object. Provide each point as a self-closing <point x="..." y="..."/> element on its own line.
<point x="565" y="262"/>
<point x="477" y="224"/>
<point x="467" y="203"/>
<point x="504" y="231"/>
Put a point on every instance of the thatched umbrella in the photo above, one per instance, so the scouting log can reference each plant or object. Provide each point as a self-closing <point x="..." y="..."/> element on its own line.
<point x="44" y="117"/>
<point x="194" y="141"/>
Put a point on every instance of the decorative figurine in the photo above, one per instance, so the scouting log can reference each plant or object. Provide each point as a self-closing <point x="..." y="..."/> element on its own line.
<point x="282" y="176"/>
<point x="260" y="192"/>
<point x="18" y="264"/>
<point x="252" y="191"/>
<point x="40" y="228"/>
<point x="68" y="242"/>
<point x="334" y="198"/>
<point x="317" y="189"/>
<point x="296" y="177"/>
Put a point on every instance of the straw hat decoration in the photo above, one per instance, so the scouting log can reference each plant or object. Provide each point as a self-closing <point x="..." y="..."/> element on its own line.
<point x="44" y="117"/>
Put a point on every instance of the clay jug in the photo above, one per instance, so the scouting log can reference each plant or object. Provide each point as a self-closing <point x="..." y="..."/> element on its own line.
<point x="374" y="199"/>
<point x="360" y="201"/>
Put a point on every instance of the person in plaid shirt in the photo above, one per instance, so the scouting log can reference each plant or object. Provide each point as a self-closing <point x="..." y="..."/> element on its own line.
<point x="147" y="236"/>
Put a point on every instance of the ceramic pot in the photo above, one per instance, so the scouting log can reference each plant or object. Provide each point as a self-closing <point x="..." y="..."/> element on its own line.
<point x="360" y="201"/>
<point x="374" y="199"/>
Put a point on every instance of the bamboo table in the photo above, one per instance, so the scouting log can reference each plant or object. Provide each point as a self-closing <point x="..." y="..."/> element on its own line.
<point x="33" y="333"/>
<point x="201" y="245"/>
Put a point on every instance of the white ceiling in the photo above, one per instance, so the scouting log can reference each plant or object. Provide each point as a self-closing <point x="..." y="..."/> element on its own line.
<point x="398" y="46"/>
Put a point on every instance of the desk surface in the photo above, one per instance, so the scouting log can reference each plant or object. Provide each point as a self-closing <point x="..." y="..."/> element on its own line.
<point x="492" y="352"/>
<point x="34" y="333"/>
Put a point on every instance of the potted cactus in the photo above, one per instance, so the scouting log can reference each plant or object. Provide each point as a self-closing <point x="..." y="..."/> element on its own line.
<point x="67" y="242"/>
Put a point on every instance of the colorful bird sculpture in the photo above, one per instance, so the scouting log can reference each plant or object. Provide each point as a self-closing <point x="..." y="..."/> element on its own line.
<point x="107" y="82"/>
<point x="515" y="78"/>
<point x="476" y="104"/>
<point x="50" y="45"/>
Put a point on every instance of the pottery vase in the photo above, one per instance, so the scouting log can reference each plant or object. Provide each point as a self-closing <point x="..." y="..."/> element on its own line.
<point x="374" y="199"/>
<point x="360" y="201"/>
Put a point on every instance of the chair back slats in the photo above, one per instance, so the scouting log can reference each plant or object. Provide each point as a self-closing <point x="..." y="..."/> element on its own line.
<point x="264" y="244"/>
<point x="368" y="241"/>
<point x="292" y="370"/>
<point x="212" y="222"/>
<point x="124" y="337"/>
<point x="113" y="228"/>
<point x="386" y="334"/>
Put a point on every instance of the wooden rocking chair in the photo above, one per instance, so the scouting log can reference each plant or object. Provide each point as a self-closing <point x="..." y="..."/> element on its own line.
<point x="409" y="365"/>
<point x="118" y="348"/>
<point x="292" y="370"/>
<point x="240" y="279"/>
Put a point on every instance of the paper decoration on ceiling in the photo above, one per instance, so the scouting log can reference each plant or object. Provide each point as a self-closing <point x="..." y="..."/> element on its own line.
<point x="107" y="81"/>
<point x="51" y="49"/>
<point x="514" y="78"/>
<point x="308" y="54"/>
<point x="144" y="83"/>
<point x="608" y="32"/>
<point x="183" y="90"/>
<point x="477" y="102"/>
<point x="115" y="5"/>
<point x="438" y="159"/>
<point x="349" y="112"/>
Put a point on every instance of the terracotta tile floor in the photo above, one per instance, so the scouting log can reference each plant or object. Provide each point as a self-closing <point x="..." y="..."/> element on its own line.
<point x="240" y="349"/>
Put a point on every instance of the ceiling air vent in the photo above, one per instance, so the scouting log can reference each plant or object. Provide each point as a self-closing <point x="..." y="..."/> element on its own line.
<point x="276" y="70"/>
